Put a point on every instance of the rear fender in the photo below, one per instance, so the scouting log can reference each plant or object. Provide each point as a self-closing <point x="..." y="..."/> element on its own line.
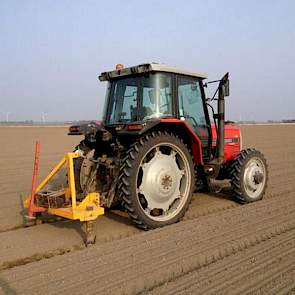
<point x="185" y="132"/>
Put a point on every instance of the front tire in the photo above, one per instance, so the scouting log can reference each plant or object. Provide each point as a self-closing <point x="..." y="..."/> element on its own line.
<point x="157" y="180"/>
<point x="249" y="176"/>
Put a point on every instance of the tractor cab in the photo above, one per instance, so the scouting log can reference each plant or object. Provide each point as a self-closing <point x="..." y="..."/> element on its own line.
<point x="153" y="92"/>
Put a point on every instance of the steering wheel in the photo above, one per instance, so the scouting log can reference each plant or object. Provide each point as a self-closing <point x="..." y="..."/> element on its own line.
<point x="195" y="123"/>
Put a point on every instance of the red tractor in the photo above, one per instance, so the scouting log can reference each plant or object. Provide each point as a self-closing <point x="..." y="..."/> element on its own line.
<point x="156" y="145"/>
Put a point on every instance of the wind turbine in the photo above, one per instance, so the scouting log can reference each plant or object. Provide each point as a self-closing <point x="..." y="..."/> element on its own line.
<point x="7" y="116"/>
<point x="43" y="117"/>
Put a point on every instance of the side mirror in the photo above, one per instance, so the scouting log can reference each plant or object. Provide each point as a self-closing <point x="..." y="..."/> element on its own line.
<point x="224" y="85"/>
<point x="225" y="88"/>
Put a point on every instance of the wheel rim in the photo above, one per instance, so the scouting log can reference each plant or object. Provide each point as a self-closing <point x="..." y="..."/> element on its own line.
<point x="254" y="177"/>
<point x="163" y="182"/>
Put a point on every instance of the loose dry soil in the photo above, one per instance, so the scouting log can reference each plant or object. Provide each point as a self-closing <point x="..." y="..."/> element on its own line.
<point x="221" y="247"/>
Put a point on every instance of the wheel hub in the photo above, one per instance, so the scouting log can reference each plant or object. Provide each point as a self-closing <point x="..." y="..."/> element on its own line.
<point x="161" y="181"/>
<point x="254" y="177"/>
<point x="166" y="182"/>
<point x="258" y="177"/>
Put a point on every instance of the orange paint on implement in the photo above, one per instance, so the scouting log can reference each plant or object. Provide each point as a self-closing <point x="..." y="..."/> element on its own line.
<point x="32" y="208"/>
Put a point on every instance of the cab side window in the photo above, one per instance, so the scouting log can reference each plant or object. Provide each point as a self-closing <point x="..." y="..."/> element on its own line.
<point x="190" y="102"/>
<point x="191" y="107"/>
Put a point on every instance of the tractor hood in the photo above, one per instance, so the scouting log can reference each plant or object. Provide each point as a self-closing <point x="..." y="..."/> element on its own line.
<point x="232" y="133"/>
<point x="232" y="140"/>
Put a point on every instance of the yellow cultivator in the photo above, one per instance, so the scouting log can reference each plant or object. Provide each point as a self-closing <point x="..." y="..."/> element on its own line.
<point x="63" y="202"/>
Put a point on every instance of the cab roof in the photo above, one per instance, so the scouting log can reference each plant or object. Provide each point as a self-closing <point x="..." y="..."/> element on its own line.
<point x="149" y="67"/>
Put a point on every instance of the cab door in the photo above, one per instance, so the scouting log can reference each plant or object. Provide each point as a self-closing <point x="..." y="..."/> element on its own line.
<point x="192" y="109"/>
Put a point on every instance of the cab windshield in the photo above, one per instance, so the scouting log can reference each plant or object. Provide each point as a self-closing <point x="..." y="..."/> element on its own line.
<point x="139" y="98"/>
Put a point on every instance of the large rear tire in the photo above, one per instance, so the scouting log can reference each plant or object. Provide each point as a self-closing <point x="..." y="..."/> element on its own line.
<point x="157" y="180"/>
<point x="249" y="176"/>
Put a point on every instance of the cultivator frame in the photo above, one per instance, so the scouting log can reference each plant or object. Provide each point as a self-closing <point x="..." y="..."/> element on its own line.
<point x="86" y="210"/>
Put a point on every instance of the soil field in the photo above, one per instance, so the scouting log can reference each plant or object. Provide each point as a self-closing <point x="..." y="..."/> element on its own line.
<point x="220" y="247"/>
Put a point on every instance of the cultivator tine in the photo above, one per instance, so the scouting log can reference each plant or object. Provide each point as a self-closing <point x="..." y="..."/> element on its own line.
<point x="90" y="233"/>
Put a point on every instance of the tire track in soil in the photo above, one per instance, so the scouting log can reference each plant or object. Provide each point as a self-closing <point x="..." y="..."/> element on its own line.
<point x="55" y="244"/>
<point x="19" y="248"/>
<point x="175" y="250"/>
<point x="241" y="271"/>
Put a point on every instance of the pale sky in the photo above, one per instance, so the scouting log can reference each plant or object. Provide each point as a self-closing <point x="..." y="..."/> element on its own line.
<point x="51" y="52"/>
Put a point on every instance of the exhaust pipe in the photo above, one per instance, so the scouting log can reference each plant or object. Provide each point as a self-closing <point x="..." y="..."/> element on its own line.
<point x="223" y="90"/>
